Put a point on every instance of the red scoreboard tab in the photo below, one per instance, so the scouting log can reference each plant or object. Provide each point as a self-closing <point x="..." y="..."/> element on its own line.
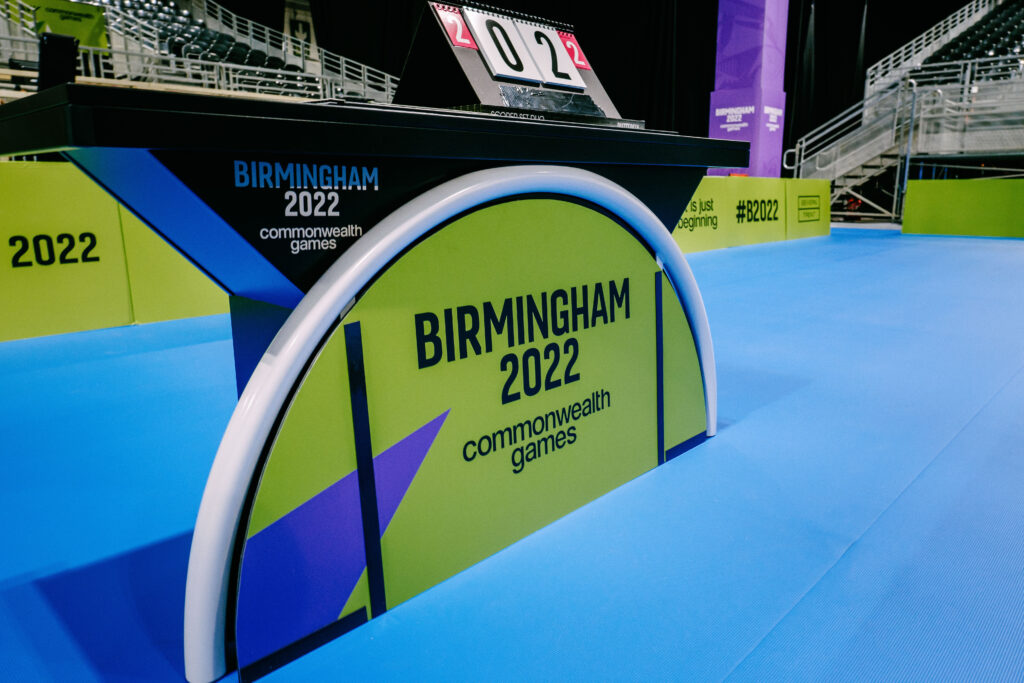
<point x="455" y="25"/>
<point x="572" y="46"/>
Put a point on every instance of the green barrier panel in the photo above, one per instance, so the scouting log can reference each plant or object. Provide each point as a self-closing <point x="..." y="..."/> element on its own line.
<point x="508" y="365"/>
<point x="984" y="208"/>
<point x="85" y="22"/>
<point x="807" y="208"/>
<point x="65" y="246"/>
<point x="683" y="416"/>
<point x="728" y="212"/>
<point x="164" y="284"/>
<point x="63" y="266"/>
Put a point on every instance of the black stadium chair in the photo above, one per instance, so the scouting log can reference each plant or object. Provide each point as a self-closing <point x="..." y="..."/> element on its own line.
<point x="237" y="54"/>
<point x="221" y="50"/>
<point x="256" y="58"/>
<point x="999" y="34"/>
<point x="176" y="45"/>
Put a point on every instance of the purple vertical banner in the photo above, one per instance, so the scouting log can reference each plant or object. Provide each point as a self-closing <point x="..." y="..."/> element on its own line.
<point x="748" y="102"/>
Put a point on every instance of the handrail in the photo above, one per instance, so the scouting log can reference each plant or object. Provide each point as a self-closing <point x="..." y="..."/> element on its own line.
<point x="130" y="34"/>
<point x="292" y="50"/>
<point x="853" y="115"/>
<point x="888" y="68"/>
<point x="130" y="27"/>
<point x="791" y="165"/>
<point x="137" y="34"/>
<point x="866" y="117"/>
<point x="117" y="65"/>
<point x="20" y="14"/>
<point x="955" y="108"/>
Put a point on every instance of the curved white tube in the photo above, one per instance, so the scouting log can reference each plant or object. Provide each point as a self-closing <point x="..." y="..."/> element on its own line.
<point x="209" y="565"/>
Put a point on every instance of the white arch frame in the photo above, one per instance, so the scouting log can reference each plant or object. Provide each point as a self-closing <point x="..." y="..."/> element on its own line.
<point x="209" y="566"/>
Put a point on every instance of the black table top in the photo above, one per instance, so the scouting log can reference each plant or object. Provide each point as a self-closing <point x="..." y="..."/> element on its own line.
<point x="70" y="116"/>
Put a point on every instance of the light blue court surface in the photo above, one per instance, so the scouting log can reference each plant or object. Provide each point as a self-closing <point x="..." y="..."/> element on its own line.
<point x="860" y="515"/>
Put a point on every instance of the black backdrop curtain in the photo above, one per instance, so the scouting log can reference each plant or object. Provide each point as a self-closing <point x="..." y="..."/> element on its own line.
<point x="636" y="49"/>
<point x="656" y="59"/>
<point x="377" y="33"/>
<point x="822" y="75"/>
<point x="270" y="13"/>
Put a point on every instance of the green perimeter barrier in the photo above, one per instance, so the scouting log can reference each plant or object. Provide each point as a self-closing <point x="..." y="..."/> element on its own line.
<point x="83" y="21"/>
<point x="808" y="212"/>
<point x="982" y="208"/>
<point x="164" y="284"/>
<point x="74" y="259"/>
<point x="734" y="211"/>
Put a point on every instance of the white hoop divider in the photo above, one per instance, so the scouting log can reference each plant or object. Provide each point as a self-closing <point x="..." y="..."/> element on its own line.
<point x="210" y="559"/>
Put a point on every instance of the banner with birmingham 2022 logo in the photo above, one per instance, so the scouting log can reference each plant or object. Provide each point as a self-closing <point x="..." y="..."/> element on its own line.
<point x="515" y="361"/>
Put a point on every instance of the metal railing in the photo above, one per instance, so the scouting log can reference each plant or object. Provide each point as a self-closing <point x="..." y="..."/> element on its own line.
<point x="17" y="18"/>
<point x="301" y="53"/>
<point x="123" y="67"/>
<point x="974" y="118"/>
<point x="18" y="47"/>
<point x="125" y="31"/>
<point x="967" y="107"/>
<point x="136" y="53"/>
<point x="868" y="127"/>
<point x="891" y="68"/>
<point x="292" y="50"/>
<point x="866" y="130"/>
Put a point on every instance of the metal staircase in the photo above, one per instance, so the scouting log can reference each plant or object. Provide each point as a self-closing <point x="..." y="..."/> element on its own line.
<point x="970" y="108"/>
<point x="861" y="143"/>
<point x="963" y="109"/>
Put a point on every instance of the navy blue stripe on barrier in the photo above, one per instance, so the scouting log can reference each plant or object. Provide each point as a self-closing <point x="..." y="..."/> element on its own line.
<point x="679" y="449"/>
<point x="186" y="222"/>
<point x="660" y="358"/>
<point x="304" y="646"/>
<point x="364" y="468"/>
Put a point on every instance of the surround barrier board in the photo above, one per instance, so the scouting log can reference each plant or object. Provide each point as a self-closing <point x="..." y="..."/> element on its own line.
<point x="155" y="283"/>
<point x="511" y="435"/>
<point x="808" y="208"/>
<point x="734" y="211"/>
<point x="475" y="326"/>
<point x="73" y="259"/>
<point x="988" y="207"/>
<point x="164" y="284"/>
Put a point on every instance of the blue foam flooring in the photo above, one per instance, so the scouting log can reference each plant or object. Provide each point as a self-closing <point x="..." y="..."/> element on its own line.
<point x="856" y="518"/>
<point x="107" y="439"/>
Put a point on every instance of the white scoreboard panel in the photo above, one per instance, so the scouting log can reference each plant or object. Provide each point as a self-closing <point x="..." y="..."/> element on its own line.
<point x="521" y="50"/>
<point x="551" y="56"/>
<point x="501" y="46"/>
<point x="516" y="48"/>
<point x="504" y="63"/>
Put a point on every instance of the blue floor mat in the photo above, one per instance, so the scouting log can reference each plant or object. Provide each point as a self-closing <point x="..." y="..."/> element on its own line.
<point x="856" y="517"/>
<point x="934" y="589"/>
<point x="108" y="438"/>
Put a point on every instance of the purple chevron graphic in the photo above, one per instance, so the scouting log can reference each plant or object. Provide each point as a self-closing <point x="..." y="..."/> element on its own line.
<point x="299" y="572"/>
